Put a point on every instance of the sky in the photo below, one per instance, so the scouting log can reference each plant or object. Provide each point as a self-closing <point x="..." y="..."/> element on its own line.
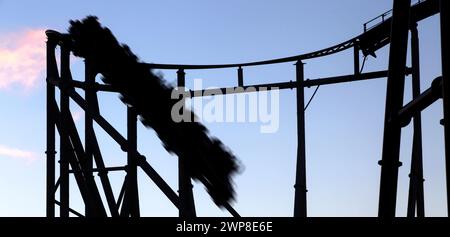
<point x="344" y="123"/>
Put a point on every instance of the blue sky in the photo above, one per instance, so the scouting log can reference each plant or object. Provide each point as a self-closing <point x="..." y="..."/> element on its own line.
<point x="343" y="124"/>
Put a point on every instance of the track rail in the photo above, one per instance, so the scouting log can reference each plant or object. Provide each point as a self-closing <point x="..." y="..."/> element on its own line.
<point x="369" y="41"/>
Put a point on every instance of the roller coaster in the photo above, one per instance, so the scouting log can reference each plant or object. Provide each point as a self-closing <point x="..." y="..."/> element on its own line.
<point x="392" y="28"/>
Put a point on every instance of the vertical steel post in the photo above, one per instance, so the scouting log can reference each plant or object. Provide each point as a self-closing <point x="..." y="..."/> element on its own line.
<point x="390" y="161"/>
<point x="65" y="148"/>
<point x="240" y="77"/>
<point x="88" y="122"/>
<point x="445" y="48"/>
<point x="416" y="195"/>
<point x="132" y="194"/>
<point x="356" y="59"/>
<point x="52" y="74"/>
<point x="300" y="208"/>
<point x="187" y="205"/>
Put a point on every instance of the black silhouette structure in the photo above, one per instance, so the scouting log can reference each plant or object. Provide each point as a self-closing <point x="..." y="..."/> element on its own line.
<point x="205" y="158"/>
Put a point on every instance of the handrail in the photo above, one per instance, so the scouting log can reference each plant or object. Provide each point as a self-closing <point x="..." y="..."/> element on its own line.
<point x="383" y="17"/>
<point x="376" y="18"/>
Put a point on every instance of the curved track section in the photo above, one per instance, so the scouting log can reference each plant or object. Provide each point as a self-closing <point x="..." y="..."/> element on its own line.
<point x="368" y="42"/>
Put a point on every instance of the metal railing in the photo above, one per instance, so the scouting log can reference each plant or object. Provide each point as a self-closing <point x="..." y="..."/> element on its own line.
<point x="382" y="18"/>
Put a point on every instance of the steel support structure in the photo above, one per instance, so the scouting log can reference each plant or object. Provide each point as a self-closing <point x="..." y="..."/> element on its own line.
<point x="390" y="161"/>
<point x="130" y="205"/>
<point x="79" y="161"/>
<point x="300" y="207"/>
<point x="187" y="205"/>
<point x="64" y="142"/>
<point x="356" y="66"/>
<point x="240" y="77"/>
<point x="416" y="194"/>
<point x="52" y="74"/>
<point x="445" y="53"/>
<point x="90" y="95"/>
<point x="293" y="84"/>
<point x="128" y="198"/>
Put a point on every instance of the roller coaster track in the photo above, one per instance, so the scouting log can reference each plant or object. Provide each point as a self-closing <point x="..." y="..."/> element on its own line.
<point x="372" y="39"/>
<point x="368" y="42"/>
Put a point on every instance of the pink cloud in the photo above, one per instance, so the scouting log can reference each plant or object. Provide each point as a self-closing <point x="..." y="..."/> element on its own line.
<point x="15" y="153"/>
<point x="22" y="59"/>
